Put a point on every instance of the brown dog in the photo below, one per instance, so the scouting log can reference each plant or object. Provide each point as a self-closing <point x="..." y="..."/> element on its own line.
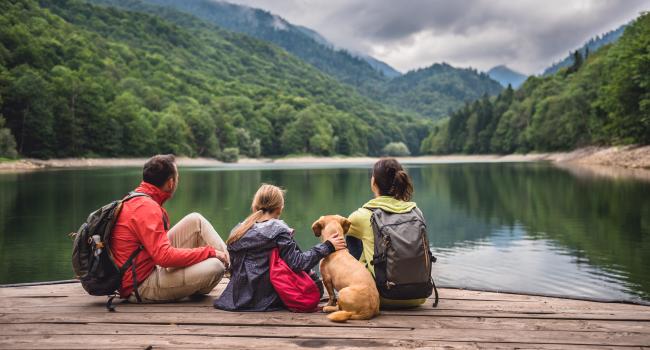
<point x="358" y="297"/>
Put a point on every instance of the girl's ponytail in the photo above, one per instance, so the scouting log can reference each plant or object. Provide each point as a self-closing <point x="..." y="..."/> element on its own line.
<point x="240" y="230"/>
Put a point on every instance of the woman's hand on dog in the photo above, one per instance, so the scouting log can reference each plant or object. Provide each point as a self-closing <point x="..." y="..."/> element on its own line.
<point x="337" y="241"/>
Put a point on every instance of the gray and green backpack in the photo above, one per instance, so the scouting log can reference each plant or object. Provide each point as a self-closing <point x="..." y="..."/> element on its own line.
<point x="402" y="259"/>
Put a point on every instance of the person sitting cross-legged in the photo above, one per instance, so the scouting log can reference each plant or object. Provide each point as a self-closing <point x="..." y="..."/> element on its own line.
<point x="190" y="258"/>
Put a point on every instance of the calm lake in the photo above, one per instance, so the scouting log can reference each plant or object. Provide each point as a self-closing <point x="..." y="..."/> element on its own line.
<point x="523" y="227"/>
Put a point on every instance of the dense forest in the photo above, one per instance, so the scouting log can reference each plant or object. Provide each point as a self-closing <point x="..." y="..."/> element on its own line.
<point x="85" y="80"/>
<point x="437" y="90"/>
<point x="431" y="92"/>
<point x="601" y="99"/>
<point x="270" y="28"/>
<point x="128" y="78"/>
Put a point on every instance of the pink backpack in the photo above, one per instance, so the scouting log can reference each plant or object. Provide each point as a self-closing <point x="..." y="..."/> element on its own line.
<point x="298" y="291"/>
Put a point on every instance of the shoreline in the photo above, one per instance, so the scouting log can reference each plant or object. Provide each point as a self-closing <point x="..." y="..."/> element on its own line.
<point x="614" y="160"/>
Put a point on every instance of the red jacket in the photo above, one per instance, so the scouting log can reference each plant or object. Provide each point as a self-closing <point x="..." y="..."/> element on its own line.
<point x="141" y="223"/>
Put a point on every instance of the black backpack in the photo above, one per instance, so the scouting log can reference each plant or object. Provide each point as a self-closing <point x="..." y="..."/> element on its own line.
<point x="92" y="260"/>
<point x="402" y="259"/>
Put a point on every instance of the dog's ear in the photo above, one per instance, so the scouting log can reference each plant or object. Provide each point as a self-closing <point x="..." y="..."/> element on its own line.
<point x="345" y="224"/>
<point x="317" y="227"/>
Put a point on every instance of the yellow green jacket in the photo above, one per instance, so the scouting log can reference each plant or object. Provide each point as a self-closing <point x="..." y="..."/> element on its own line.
<point x="360" y="228"/>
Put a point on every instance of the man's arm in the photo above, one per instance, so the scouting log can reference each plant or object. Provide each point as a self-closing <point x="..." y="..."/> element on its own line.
<point x="147" y="223"/>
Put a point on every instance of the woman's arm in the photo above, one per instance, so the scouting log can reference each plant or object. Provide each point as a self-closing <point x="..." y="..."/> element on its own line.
<point x="298" y="260"/>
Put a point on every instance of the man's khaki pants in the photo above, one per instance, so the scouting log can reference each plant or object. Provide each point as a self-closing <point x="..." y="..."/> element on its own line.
<point x="169" y="284"/>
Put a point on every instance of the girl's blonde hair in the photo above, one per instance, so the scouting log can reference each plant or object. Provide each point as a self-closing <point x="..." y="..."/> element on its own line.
<point x="267" y="199"/>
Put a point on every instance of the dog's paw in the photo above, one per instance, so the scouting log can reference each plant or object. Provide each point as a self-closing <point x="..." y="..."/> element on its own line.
<point x="329" y="309"/>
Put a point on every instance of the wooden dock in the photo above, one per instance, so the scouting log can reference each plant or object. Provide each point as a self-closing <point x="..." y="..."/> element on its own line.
<point x="62" y="316"/>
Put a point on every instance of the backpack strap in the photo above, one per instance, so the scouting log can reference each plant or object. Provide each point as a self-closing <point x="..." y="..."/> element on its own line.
<point x="134" y="194"/>
<point x="135" y="278"/>
<point x="373" y="221"/>
<point x="118" y="209"/>
<point x="131" y="263"/>
<point x="433" y="259"/>
<point x="418" y="212"/>
<point x="435" y="290"/>
<point x="109" y="304"/>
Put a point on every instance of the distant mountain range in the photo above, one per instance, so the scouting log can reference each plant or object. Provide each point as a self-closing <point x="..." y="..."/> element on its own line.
<point x="506" y="76"/>
<point x="591" y="46"/>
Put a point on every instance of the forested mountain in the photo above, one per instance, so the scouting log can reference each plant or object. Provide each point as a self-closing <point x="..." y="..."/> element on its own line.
<point x="437" y="90"/>
<point x="299" y="41"/>
<point x="602" y="100"/>
<point x="84" y="80"/>
<point x="506" y="76"/>
<point x="592" y="45"/>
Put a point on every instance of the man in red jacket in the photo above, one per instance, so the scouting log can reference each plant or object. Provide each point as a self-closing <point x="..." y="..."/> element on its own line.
<point x="190" y="258"/>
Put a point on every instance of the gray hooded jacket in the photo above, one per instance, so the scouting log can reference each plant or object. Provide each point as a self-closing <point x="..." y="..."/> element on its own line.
<point x="250" y="287"/>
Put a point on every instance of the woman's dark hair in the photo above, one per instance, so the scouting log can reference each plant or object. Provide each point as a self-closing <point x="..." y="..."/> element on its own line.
<point x="158" y="169"/>
<point x="392" y="180"/>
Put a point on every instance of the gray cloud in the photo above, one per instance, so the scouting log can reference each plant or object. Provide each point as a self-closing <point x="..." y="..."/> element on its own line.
<point x="526" y="35"/>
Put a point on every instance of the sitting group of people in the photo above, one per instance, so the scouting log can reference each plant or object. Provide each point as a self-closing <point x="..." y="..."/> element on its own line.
<point x="190" y="258"/>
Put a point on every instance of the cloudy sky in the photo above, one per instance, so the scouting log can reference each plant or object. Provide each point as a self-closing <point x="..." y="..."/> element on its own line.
<point x="526" y="35"/>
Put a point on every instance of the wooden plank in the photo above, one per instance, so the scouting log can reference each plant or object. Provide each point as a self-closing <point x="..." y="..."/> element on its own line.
<point x="450" y="334"/>
<point x="291" y="319"/>
<point x="217" y="314"/>
<point x="74" y="290"/>
<point x="74" y="294"/>
<point x="11" y="303"/>
<point x="217" y="342"/>
<point x="451" y="298"/>
<point x="448" y="293"/>
<point x="54" y="306"/>
<point x="48" y="316"/>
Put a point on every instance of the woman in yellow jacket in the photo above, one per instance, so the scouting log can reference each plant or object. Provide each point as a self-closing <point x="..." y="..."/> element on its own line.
<point x="392" y="188"/>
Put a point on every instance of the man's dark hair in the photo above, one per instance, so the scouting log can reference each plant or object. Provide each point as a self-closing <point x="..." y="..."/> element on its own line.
<point x="158" y="169"/>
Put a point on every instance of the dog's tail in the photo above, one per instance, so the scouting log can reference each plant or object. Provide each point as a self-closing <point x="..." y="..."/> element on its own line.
<point x="340" y="316"/>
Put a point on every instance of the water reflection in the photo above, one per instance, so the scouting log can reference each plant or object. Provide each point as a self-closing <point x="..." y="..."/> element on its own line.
<point x="518" y="227"/>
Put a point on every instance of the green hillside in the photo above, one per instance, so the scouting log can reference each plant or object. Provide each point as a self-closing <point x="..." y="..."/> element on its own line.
<point x="601" y="100"/>
<point x="438" y="90"/>
<point x="265" y="26"/>
<point x="84" y="80"/>
<point x="432" y="92"/>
